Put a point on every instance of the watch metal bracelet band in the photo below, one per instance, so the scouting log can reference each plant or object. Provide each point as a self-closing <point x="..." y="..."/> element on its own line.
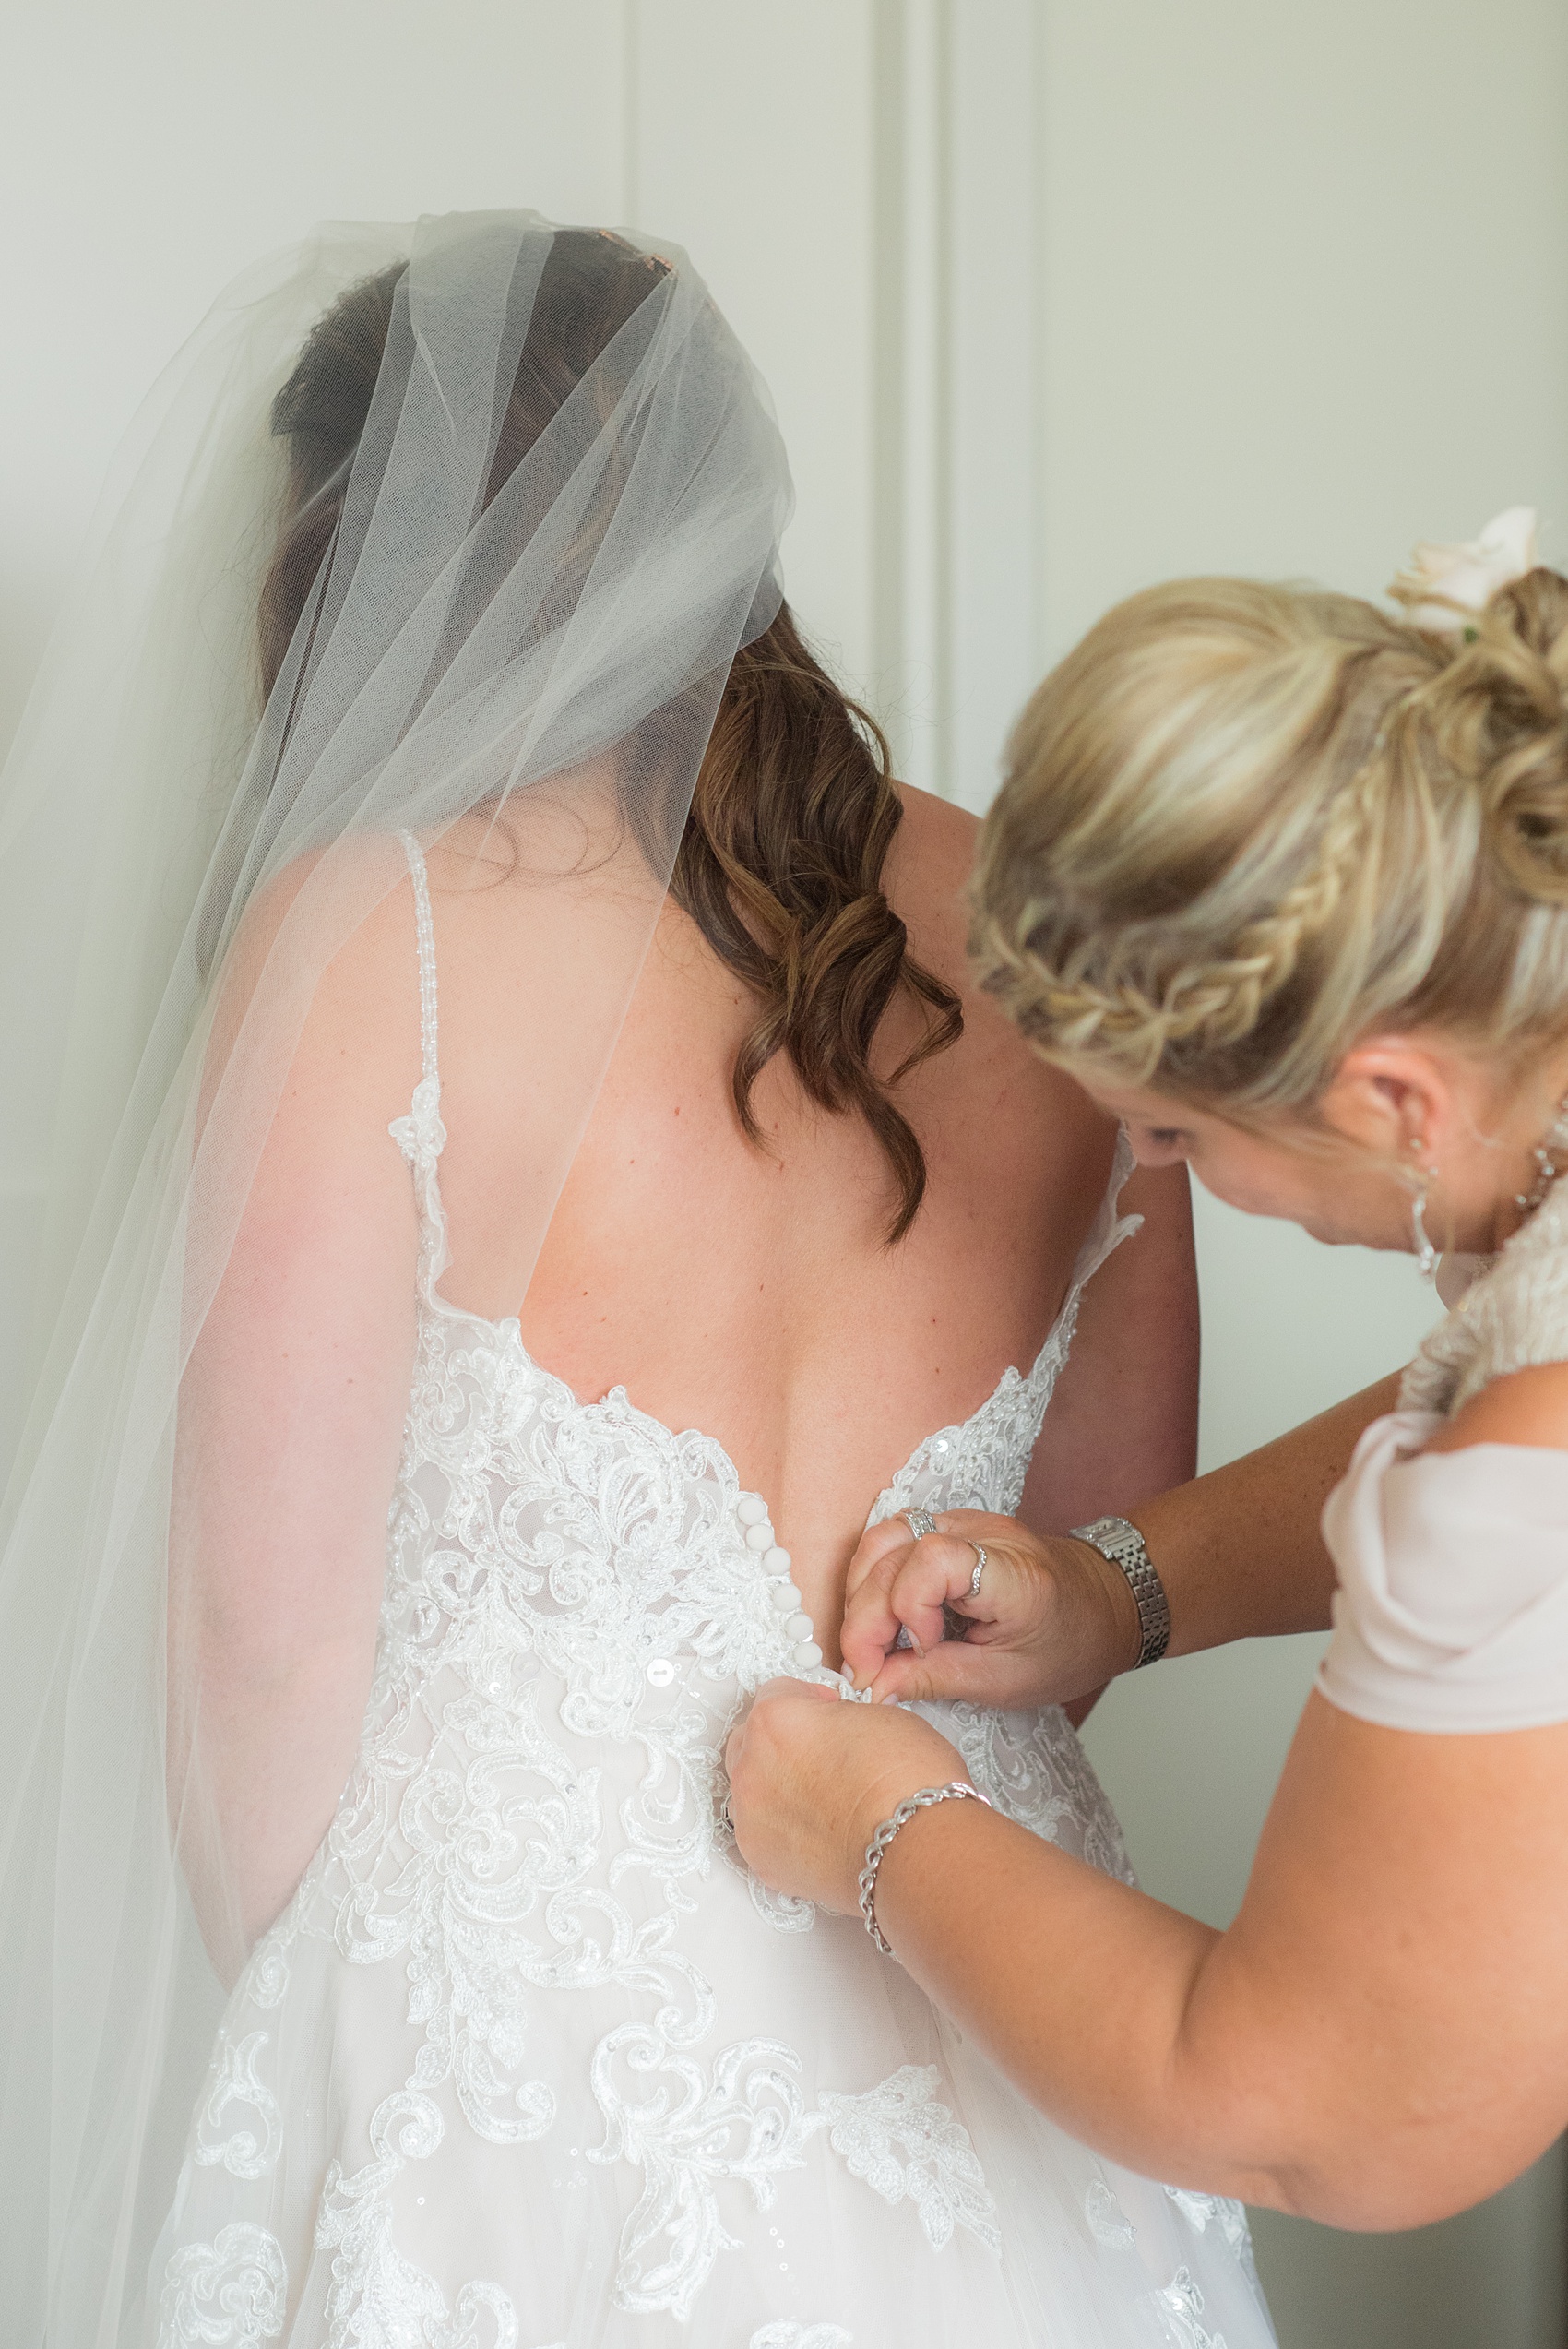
<point x="957" y="1790"/>
<point x="1124" y="1545"/>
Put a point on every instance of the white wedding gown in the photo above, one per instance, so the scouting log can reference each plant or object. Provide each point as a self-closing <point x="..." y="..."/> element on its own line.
<point x="530" y="2060"/>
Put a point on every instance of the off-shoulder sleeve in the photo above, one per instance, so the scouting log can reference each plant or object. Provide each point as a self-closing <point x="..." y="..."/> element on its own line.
<point x="1452" y="1609"/>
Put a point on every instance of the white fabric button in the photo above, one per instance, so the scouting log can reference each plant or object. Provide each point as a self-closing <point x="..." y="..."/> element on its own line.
<point x="750" y="1510"/>
<point x="759" y="1537"/>
<point x="661" y="1671"/>
<point x="808" y="1655"/>
<point x="785" y="1597"/>
<point x="799" y="1627"/>
<point x="778" y="1562"/>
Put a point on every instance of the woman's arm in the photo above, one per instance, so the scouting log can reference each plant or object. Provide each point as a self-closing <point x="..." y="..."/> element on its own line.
<point x="1380" y="2038"/>
<point x="1239" y="1551"/>
<point x="1378" y="2041"/>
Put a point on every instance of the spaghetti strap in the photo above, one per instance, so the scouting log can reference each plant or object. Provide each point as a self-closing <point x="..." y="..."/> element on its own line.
<point x="420" y="1135"/>
<point x="425" y="931"/>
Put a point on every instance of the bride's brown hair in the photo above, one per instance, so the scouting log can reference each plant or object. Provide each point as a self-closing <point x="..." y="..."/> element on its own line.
<point x="781" y="857"/>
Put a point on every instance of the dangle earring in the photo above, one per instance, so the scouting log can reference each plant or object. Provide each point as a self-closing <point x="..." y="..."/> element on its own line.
<point x="1549" y="1158"/>
<point x="1428" y="1257"/>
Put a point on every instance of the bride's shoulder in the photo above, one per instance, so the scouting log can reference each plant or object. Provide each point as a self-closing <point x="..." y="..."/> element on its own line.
<point x="927" y="881"/>
<point x="929" y="865"/>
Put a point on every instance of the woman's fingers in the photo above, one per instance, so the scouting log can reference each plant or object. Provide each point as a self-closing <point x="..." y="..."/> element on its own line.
<point x="1046" y="1625"/>
<point x="907" y="1586"/>
<point x="872" y="1624"/>
<point x="876" y="1544"/>
<point x="905" y="1591"/>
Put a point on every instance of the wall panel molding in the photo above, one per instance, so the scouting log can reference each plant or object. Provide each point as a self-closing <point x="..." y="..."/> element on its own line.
<point x="956" y="376"/>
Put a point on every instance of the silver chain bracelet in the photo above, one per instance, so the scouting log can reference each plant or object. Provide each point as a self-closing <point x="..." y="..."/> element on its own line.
<point x="958" y="1790"/>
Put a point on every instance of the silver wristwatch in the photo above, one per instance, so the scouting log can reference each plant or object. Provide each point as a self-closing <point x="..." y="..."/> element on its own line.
<point x="1124" y="1545"/>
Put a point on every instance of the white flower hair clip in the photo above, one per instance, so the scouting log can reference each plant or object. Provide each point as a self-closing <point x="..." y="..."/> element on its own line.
<point x="1442" y="585"/>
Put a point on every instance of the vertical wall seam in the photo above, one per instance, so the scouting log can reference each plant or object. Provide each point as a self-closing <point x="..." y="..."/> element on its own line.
<point x="942" y="360"/>
<point x="889" y="259"/>
<point x="913" y="261"/>
<point x="1039" y="329"/>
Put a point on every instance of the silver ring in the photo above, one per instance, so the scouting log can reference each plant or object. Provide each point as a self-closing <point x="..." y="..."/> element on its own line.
<point x="920" y="1521"/>
<point x="978" y="1549"/>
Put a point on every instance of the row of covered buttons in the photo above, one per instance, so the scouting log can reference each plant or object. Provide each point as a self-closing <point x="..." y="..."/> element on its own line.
<point x="782" y="1593"/>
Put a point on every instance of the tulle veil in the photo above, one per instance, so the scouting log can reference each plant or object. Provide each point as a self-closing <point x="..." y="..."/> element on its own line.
<point x="178" y="867"/>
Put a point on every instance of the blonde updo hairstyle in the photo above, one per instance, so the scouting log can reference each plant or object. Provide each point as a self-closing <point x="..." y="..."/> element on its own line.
<point x="1243" y="826"/>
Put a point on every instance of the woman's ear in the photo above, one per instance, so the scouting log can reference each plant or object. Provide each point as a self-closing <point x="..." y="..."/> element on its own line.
<point x="1392" y="1096"/>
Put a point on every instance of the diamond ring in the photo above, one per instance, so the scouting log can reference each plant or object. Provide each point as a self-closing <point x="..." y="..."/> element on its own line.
<point x="978" y="1549"/>
<point x="920" y="1521"/>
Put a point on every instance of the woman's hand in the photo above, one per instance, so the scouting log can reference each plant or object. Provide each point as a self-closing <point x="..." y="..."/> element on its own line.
<point x="1052" y="1620"/>
<point x="811" y="1778"/>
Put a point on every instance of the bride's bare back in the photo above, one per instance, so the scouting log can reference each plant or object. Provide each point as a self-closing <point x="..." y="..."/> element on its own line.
<point x="752" y="1292"/>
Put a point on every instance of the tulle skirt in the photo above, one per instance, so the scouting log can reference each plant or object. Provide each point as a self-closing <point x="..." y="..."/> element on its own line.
<point x="721" y="2120"/>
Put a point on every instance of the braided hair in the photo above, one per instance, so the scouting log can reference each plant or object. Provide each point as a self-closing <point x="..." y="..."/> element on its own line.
<point x="1244" y="825"/>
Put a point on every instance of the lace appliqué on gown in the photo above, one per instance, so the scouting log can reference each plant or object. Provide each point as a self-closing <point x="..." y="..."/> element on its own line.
<point x="377" y="2298"/>
<point x="1184" y="2301"/>
<point x="908" y="2146"/>
<point x="225" y="2295"/>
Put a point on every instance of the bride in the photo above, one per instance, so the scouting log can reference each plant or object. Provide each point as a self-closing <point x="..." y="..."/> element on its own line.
<point x="546" y="1038"/>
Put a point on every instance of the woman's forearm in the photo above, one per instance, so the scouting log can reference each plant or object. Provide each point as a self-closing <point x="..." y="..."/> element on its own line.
<point x="1239" y="1550"/>
<point x="1303" y="2059"/>
<point x="1074" y="1986"/>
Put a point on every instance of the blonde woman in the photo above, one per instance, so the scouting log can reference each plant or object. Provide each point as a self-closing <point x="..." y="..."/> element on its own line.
<point x="1283" y="882"/>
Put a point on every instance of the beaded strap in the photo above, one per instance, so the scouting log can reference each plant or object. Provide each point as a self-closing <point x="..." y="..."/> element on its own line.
<point x="424" y="932"/>
<point x="958" y="1790"/>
